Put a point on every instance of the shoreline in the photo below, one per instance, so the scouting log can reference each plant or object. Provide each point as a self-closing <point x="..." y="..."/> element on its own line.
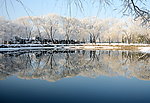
<point x="86" y="46"/>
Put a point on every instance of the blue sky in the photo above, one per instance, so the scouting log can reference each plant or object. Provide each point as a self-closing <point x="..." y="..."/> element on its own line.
<point x="44" y="7"/>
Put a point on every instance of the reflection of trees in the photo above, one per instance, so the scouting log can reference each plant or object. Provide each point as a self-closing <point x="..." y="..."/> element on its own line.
<point x="53" y="65"/>
<point x="10" y="65"/>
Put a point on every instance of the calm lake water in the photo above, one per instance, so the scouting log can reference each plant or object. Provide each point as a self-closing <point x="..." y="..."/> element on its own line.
<point x="81" y="76"/>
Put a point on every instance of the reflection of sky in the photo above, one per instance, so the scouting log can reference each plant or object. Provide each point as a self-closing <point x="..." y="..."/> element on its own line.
<point x="76" y="89"/>
<point x="40" y="7"/>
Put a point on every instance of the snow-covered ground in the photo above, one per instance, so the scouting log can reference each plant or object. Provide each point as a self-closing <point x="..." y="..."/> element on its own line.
<point x="24" y="48"/>
<point x="88" y="46"/>
<point x="144" y="49"/>
<point x="131" y="44"/>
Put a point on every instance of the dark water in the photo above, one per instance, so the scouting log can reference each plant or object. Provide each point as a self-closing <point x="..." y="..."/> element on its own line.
<point x="57" y="76"/>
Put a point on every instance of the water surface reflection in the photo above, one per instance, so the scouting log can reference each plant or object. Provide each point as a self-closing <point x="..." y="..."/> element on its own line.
<point x="53" y="65"/>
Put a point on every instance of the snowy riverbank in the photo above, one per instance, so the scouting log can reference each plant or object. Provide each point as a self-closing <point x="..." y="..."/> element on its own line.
<point x="144" y="49"/>
<point x="88" y="46"/>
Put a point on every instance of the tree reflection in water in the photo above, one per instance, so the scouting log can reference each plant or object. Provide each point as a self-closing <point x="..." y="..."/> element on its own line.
<point x="53" y="65"/>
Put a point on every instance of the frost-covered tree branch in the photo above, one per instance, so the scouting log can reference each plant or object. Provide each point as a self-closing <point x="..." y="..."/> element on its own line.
<point x="131" y="7"/>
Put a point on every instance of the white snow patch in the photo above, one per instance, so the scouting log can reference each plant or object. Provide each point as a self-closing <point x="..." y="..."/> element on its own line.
<point x="145" y="49"/>
<point x="24" y="48"/>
